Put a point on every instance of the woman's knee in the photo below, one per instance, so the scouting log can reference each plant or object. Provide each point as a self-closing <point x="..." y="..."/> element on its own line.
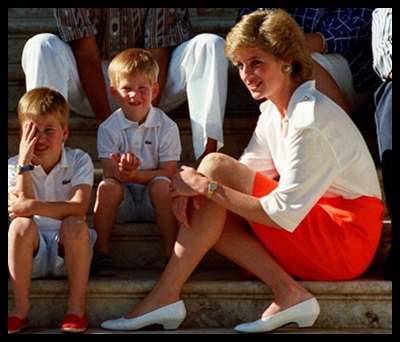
<point x="214" y="163"/>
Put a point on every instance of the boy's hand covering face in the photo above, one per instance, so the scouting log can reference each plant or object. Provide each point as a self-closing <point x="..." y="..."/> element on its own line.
<point x="29" y="139"/>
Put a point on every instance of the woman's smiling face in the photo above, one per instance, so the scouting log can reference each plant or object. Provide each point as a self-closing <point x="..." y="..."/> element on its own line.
<point x="260" y="72"/>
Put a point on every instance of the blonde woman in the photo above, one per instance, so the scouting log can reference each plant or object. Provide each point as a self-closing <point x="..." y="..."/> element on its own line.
<point x="294" y="206"/>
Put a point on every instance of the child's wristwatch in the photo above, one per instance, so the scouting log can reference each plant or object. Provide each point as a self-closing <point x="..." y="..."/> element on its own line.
<point x="21" y="169"/>
<point x="211" y="188"/>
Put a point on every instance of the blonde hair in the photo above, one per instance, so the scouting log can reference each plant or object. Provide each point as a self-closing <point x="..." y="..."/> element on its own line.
<point x="276" y="33"/>
<point x="133" y="62"/>
<point x="43" y="101"/>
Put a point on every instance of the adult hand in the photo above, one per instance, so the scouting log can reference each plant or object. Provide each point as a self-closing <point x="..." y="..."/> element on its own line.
<point x="184" y="188"/>
<point x="188" y="182"/>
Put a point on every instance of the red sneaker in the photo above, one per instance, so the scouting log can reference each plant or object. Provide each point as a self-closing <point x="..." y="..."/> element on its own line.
<point x="15" y="324"/>
<point x="73" y="324"/>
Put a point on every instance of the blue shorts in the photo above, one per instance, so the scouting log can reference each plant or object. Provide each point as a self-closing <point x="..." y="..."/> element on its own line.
<point x="47" y="263"/>
<point x="136" y="205"/>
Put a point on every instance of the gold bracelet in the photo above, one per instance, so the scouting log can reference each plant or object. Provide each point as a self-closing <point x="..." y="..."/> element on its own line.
<point x="323" y="48"/>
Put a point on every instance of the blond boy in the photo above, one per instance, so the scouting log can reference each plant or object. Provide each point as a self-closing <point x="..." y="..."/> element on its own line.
<point x="139" y="148"/>
<point x="49" y="189"/>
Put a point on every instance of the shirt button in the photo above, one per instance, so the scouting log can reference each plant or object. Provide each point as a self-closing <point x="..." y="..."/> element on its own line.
<point x="305" y="98"/>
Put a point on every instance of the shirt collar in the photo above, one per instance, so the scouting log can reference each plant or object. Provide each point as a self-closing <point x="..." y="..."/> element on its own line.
<point x="303" y="93"/>
<point x="66" y="161"/>
<point x="151" y="120"/>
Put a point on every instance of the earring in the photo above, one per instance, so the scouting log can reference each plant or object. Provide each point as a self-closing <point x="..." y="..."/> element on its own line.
<point x="287" y="68"/>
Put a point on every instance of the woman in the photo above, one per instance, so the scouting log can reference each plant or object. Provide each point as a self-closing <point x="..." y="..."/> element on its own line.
<point x="320" y="221"/>
<point x="339" y="40"/>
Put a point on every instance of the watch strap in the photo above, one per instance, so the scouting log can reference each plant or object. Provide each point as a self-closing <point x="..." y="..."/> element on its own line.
<point x="21" y="169"/>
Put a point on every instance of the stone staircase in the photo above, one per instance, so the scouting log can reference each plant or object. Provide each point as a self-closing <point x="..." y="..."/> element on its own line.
<point x="216" y="296"/>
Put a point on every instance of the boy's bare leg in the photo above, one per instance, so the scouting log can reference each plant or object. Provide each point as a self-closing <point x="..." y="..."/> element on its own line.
<point x="23" y="241"/>
<point x="109" y="195"/>
<point x="75" y="239"/>
<point x="166" y="220"/>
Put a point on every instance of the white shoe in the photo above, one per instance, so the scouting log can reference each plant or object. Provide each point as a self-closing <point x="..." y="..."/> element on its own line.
<point x="304" y="314"/>
<point x="170" y="317"/>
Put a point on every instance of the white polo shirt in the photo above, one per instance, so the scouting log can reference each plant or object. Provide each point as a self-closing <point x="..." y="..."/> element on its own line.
<point x="316" y="150"/>
<point x="75" y="168"/>
<point x="155" y="141"/>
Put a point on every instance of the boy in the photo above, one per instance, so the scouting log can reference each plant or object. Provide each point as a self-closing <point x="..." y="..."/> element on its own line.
<point x="139" y="148"/>
<point x="191" y="69"/>
<point x="49" y="190"/>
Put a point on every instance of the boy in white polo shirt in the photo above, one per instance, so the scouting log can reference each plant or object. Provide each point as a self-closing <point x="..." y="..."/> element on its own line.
<point x="139" y="148"/>
<point x="49" y="192"/>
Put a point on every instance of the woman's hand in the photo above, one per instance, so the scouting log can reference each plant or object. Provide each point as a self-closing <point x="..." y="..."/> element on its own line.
<point x="185" y="187"/>
<point x="188" y="182"/>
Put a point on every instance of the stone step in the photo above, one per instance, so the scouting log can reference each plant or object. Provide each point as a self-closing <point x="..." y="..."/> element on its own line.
<point x="289" y="330"/>
<point x="140" y="246"/>
<point x="217" y="299"/>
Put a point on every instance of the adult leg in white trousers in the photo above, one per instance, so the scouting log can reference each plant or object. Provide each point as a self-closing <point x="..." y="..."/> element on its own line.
<point x="198" y="73"/>
<point x="49" y="62"/>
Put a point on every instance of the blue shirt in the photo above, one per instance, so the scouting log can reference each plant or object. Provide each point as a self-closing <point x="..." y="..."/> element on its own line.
<point x="347" y="31"/>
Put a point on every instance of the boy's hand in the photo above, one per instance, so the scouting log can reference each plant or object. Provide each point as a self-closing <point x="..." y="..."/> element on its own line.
<point x="127" y="162"/>
<point x="19" y="206"/>
<point x="29" y="137"/>
<point x="127" y="165"/>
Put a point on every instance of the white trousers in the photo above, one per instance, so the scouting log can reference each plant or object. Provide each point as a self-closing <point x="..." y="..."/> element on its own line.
<point x="198" y="73"/>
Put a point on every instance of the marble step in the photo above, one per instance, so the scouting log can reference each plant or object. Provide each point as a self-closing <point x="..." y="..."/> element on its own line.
<point x="218" y="299"/>
<point x="139" y="245"/>
<point x="290" y="330"/>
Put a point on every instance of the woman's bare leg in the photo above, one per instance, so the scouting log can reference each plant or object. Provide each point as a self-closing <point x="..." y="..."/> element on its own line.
<point x="190" y="247"/>
<point x="239" y="245"/>
<point x="211" y="228"/>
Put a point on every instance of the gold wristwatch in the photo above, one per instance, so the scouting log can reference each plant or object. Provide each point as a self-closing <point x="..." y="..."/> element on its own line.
<point x="211" y="188"/>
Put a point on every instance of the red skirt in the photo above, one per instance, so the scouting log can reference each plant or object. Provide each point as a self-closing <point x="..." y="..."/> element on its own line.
<point x="337" y="240"/>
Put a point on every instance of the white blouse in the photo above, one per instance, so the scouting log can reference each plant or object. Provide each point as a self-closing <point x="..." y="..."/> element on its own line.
<point x="316" y="150"/>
